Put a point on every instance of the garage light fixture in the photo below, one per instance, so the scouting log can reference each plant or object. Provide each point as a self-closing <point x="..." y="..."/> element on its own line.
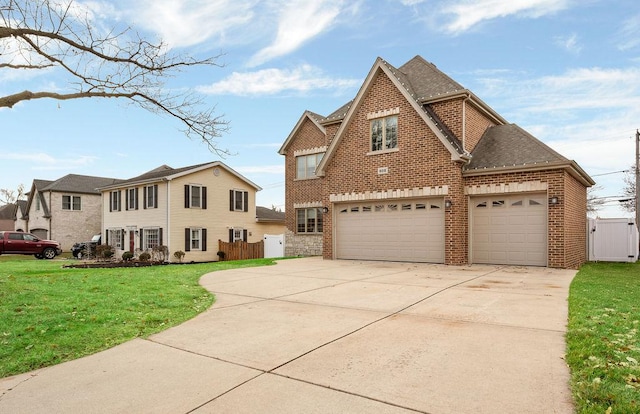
<point x="554" y="200"/>
<point x="448" y="203"/>
<point x="325" y="210"/>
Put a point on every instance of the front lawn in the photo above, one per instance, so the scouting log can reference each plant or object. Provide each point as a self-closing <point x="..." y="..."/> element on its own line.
<point x="603" y="342"/>
<point x="50" y="314"/>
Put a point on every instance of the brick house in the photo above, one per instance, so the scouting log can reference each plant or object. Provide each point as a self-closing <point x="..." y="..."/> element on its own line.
<point x="418" y="168"/>
<point x="67" y="210"/>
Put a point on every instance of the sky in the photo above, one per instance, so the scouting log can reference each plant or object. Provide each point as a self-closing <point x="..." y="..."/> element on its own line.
<point x="567" y="71"/>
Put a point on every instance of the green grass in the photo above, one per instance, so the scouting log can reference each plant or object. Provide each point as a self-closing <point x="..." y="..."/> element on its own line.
<point x="603" y="340"/>
<point x="50" y="314"/>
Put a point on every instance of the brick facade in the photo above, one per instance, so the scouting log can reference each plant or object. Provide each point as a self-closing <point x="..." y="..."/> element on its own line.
<point x="421" y="160"/>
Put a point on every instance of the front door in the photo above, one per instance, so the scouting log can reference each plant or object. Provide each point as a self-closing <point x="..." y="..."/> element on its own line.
<point x="132" y="241"/>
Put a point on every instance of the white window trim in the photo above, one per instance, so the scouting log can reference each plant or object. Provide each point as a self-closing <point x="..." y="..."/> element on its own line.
<point x="235" y="199"/>
<point x="145" y="244"/>
<point x="306" y="156"/>
<point x="384" y="135"/>
<point x="191" y="239"/>
<point x="71" y="202"/>
<point x="239" y="230"/>
<point x="191" y="186"/>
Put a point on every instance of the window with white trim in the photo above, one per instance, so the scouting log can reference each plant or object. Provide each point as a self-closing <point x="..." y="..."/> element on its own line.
<point x="309" y="220"/>
<point x="384" y="133"/>
<point x="239" y="200"/>
<point x="196" y="196"/>
<point x="150" y="238"/>
<point x="150" y="194"/>
<point x="306" y="165"/>
<point x="71" y="203"/>
<point x="115" y="238"/>
<point x="237" y="234"/>
<point x="115" y="200"/>
<point x="132" y="198"/>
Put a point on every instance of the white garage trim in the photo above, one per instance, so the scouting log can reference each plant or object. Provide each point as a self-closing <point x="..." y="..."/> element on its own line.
<point x="409" y="230"/>
<point x="509" y="229"/>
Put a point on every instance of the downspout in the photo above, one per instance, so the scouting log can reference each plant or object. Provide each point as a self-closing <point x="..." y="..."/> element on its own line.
<point x="168" y="244"/>
<point x="50" y="235"/>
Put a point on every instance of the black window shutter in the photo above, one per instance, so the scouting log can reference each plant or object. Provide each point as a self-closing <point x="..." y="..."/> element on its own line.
<point x="144" y="197"/>
<point x="122" y="239"/>
<point x="245" y="196"/>
<point x="204" y="240"/>
<point x="120" y="200"/>
<point x="231" y="206"/>
<point x="106" y="238"/>
<point x="204" y="198"/>
<point x="141" y="239"/>
<point x="244" y="235"/>
<point x="136" y="198"/>
<point x="187" y="240"/>
<point x="155" y="196"/>
<point x="111" y="201"/>
<point x="160" y="237"/>
<point x="126" y="201"/>
<point x="186" y="196"/>
<point x="230" y="235"/>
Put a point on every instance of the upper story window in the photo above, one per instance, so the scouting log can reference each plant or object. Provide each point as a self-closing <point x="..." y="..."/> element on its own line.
<point x="132" y="198"/>
<point x="238" y="200"/>
<point x="150" y="194"/>
<point x="195" y="196"/>
<point x="115" y="201"/>
<point x="37" y="202"/>
<point x="71" y="203"/>
<point x="306" y="165"/>
<point x="384" y="133"/>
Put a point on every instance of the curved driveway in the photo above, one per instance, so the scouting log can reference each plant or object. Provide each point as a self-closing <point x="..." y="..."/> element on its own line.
<point x="317" y="336"/>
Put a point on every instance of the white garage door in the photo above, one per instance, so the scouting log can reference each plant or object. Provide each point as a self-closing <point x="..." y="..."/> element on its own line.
<point x="407" y="230"/>
<point x="509" y="229"/>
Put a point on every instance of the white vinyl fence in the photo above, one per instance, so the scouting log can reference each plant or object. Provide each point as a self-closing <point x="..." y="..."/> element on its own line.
<point x="612" y="240"/>
<point x="273" y="245"/>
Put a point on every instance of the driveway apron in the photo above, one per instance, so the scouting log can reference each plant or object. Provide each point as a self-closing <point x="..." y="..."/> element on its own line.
<point x="318" y="336"/>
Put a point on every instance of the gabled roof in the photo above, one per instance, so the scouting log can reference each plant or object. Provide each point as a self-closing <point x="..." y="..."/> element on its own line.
<point x="504" y="148"/>
<point x="36" y="190"/>
<point x="313" y="117"/>
<point x="264" y="214"/>
<point x="84" y="184"/>
<point x="166" y="173"/>
<point x="425" y="81"/>
<point x="402" y="82"/>
<point x="7" y="212"/>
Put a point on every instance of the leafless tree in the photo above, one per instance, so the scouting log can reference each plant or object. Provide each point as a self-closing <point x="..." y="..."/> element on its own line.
<point x="11" y="196"/>
<point x="594" y="203"/>
<point x="63" y="36"/>
<point x="629" y="190"/>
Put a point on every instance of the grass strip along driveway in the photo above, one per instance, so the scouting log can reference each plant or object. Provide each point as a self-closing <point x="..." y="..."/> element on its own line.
<point x="50" y="314"/>
<point x="603" y="341"/>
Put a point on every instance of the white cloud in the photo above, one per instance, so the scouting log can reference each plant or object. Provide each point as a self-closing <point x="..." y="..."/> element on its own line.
<point x="629" y="33"/>
<point x="466" y="14"/>
<point x="273" y="81"/>
<point x="298" y="22"/>
<point x="569" y="43"/>
<point x="42" y="161"/>
<point x="191" y="22"/>
<point x="261" y="169"/>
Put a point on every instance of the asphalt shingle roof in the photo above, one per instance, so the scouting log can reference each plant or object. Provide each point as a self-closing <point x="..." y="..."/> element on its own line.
<point x="510" y="146"/>
<point x="425" y="81"/>
<point x="84" y="184"/>
<point x="160" y="172"/>
<point x="267" y="214"/>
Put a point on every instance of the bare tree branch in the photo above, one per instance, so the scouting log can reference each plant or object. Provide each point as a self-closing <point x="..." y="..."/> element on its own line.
<point x="60" y="35"/>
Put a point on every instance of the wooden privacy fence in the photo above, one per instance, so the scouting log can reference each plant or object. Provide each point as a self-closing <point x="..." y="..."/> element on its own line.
<point x="240" y="250"/>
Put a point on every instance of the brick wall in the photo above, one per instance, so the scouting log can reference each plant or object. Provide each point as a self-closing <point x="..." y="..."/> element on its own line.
<point x="575" y="222"/>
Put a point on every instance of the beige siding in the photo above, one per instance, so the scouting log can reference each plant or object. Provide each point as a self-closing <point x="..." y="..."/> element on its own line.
<point x="266" y="228"/>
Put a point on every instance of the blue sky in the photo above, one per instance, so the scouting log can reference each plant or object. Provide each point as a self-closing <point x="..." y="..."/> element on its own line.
<point x="567" y="71"/>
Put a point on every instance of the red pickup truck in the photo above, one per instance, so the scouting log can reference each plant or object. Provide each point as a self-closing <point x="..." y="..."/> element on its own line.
<point x="15" y="242"/>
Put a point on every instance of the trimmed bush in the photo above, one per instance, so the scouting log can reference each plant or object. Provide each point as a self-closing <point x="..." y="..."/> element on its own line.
<point x="144" y="257"/>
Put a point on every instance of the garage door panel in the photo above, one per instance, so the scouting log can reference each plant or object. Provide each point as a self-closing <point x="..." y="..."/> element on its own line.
<point x="509" y="229"/>
<point x="391" y="230"/>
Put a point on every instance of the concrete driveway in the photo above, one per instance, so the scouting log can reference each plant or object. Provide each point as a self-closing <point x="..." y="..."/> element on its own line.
<point x="317" y="336"/>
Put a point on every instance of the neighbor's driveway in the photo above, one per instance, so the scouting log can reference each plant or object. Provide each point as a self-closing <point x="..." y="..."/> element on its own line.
<point x="316" y="336"/>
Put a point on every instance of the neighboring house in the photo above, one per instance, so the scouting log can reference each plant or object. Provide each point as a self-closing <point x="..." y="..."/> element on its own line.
<point x="418" y="168"/>
<point x="66" y="210"/>
<point x="269" y="221"/>
<point x="7" y="216"/>
<point x="185" y="209"/>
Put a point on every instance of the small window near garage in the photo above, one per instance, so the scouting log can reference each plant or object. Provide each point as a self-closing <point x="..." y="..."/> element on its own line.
<point x="309" y="220"/>
<point x="421" y="206"/>
<point x="406" y="207"/>
<point x="534" y="203"/>
<point x="379" y="207"/>
<point x="481" y="205"/>
<point x="343" y="211"/>
<point x="498" y="203"/>
<point x="434" y="207"/>
<point x="392" y="207"/>
<point x="355" y="209"/>
<point x="366" y="209"/>
<point x="516" y="203"/>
